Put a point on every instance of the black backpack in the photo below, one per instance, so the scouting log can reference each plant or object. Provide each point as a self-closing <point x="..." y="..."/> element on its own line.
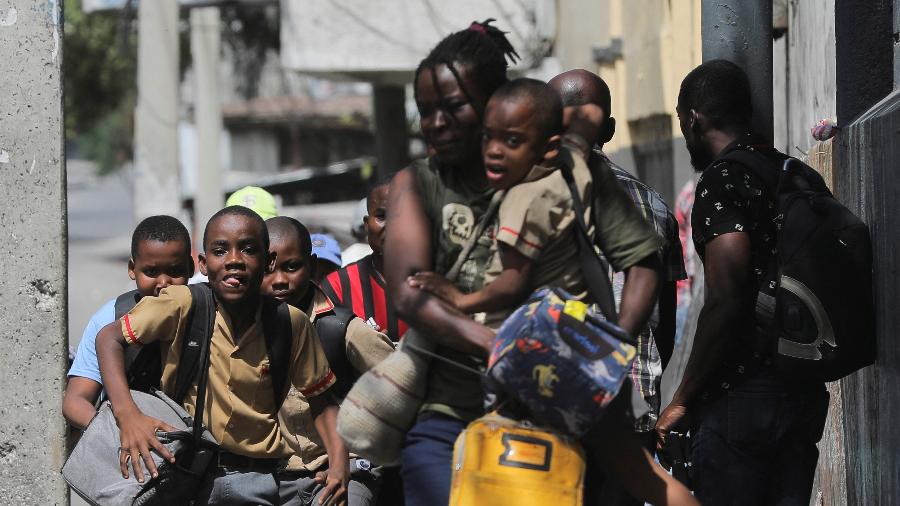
<point x="816" y="299"/>
<point x="332" y="331"/>
<point x="143" y="363"/>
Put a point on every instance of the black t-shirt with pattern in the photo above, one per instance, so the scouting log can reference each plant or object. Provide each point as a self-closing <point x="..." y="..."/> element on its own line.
<point x="729" y="198"/>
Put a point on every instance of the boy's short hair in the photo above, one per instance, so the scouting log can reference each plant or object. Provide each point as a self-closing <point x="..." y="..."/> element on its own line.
<point x="160" y="228"/>
<point x="379" y="183"/>
<point x="721" y="91"/>
<point x="239" y="211"/>
<point x="281" y="227"/>
<point x="544" y="100"/>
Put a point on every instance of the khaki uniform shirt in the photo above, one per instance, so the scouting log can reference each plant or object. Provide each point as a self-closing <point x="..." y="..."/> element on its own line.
<point x="365" y="348"/>
<point x="240" y="406"/>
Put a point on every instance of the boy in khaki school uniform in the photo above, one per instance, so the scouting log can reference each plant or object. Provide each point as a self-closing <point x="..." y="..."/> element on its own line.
<point x="290" y="281"/>
<point x="240" y="409"/>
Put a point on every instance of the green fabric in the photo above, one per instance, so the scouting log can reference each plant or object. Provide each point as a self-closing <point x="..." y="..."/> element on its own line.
<point x="621" y="232"/>
<point x="453" y="207"/>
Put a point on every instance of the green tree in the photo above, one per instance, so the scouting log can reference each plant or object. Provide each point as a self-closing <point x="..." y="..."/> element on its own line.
<point x="99" y="66"/>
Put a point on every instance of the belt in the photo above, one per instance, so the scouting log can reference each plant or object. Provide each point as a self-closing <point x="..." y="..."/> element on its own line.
<point x="228" y="459"/>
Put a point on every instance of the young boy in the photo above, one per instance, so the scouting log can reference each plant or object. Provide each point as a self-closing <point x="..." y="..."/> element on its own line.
<point x="535" y="225"/>
<point x="240" y="410"/>
<point x="360" y="285"/>
<point x="160" y="256"/>
<point x="290" y="281"/>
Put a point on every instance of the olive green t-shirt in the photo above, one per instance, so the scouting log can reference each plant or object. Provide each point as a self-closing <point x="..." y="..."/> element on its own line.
<point x="454" y="207"/>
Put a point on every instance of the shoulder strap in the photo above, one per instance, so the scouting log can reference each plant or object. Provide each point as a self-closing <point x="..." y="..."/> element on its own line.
<point x="279" y="332"/>
<point x="332" y="331"/>
<point x="595" y="272"/>
<point x="126" y="302"/>
<point x="195" y="344"/>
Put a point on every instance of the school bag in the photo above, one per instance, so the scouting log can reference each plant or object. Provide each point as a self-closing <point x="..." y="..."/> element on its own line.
<point x="497" y="460"/>
<point x="816" y="302"/>
<point x="332" y="331"/>
<point x="143" y="364"/>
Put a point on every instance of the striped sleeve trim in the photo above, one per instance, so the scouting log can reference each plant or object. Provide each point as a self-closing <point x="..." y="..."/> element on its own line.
<point x="519" y="236"/>
<point x="128" y="333"/>
<point x="321" y="386"/>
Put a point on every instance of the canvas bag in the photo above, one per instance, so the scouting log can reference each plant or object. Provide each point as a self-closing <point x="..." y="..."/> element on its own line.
<point x="383" y="404"/>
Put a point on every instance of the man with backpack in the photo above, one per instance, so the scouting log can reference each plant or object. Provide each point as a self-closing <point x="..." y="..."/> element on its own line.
<point x="754" y="425"/>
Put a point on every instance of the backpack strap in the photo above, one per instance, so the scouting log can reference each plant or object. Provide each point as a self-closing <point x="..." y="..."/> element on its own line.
<point x="595" y="271"/>
<point x="195" y="345"/>
<point x="279" y="333"/>
<point x="126" y="302"/>
<point x="332" y="332"/>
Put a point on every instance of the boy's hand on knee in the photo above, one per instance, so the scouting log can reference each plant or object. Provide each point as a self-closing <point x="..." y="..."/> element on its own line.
<point x="436" y="285"/>
<point x="137" y="434"/>
<point x="336" y="481"/>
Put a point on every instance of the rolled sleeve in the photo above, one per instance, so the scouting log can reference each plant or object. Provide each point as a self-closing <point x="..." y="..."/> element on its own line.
<point x="366" y="347"/>
<point x="530" y="217"/>
<point x="311" y="373"/>
<point x="159" y="318"/>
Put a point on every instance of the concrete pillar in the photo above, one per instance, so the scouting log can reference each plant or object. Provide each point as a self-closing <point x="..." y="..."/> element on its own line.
<point x="391" y="139"/>
<point x="741" y="31"/>
<point x="206" y="37"/>
<point x="33" y="247"/>
<point x="156" y="180"/>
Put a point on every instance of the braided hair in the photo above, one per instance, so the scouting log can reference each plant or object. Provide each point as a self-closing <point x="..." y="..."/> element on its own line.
<point x="482" y="47"/>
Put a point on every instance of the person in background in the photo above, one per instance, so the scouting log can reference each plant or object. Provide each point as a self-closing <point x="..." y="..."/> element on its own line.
<point x="326" y="254"/>
<point x="754" y="428"/>
<point x="360" y="285"/>
<point x="683" y="206"/>
<point x="655" y="342"/>
<point x="361" y="247"/>
<point x="160" y="256"/>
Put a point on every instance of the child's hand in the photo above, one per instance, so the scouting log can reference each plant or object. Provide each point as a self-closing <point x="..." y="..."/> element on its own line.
<point x="436" y="285"/>
<point x="336" y="481"/>
<point x="137" y="434"/>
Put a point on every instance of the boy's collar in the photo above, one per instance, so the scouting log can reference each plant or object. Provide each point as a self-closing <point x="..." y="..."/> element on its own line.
<point x="541" y="170"/>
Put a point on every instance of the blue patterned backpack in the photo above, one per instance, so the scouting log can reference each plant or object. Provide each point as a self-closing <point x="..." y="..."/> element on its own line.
<point x="560" y="360"/>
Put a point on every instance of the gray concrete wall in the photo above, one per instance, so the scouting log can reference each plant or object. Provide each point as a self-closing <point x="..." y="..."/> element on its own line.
<point x="33" y="228"/>
<point x="868" y="182"/>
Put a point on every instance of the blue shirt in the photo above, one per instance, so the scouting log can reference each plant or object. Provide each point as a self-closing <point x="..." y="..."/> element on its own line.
<point x="85" y="364"/>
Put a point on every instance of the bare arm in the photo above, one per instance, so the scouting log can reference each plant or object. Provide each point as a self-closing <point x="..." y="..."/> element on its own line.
<point x="79" y="400"/>
<point x="506" y="291"/>
<point x="137" y="431"/>
<point x="620" y="452"/>
<point x="639" y="294"/>
<point x="726" y="270"/>
<point x="324" y="411"/>
<point x="408" y="250"/>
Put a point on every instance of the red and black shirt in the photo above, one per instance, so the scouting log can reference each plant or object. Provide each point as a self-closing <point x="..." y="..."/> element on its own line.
<point x="360" y="288"/>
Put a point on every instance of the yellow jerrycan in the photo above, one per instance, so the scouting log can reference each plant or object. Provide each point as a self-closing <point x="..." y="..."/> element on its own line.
<point x="500" y="461"/>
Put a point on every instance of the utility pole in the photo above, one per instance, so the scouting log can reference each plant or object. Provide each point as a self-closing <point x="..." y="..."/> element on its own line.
<point x="206" y="38"/>
<point x="741" y="31"/>
<point x="33" y="228"/>
<point x="156" y="177"/>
